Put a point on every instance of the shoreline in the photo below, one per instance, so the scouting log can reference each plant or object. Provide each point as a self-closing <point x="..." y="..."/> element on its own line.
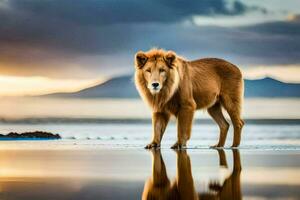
<point x="71" y="120"/>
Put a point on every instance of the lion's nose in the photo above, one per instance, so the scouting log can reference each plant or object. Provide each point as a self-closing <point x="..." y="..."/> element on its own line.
<point x="155" y="85"/>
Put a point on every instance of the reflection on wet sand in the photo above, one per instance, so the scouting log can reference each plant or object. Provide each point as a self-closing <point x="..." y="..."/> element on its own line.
<point x="121" y="174"/>
<point x="158" y="186"/>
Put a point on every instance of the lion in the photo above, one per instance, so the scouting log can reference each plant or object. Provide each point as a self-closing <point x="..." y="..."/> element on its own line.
<point x="173" y="86"/>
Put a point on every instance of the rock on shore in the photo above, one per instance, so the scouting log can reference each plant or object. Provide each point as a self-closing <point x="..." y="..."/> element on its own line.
<point x="30" y="135"/>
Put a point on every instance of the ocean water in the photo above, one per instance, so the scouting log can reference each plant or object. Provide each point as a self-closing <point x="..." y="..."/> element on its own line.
<point x="137" y="135"/>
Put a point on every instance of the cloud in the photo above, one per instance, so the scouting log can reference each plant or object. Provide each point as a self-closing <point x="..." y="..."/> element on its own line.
<point x="48" y="37"/>
<point x="69" y="25"/>
<point x="126" y="11"/>
<point x="82" y="38"/>
<point x="244" y="45"/>
<point x="289" y="27"/>
<point x="110" y="48"/>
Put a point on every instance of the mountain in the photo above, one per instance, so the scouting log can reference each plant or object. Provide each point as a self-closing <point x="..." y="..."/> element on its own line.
<point x="118" y="87"/>
<point x="268" y="87"/>
<point x="123" y="87"/>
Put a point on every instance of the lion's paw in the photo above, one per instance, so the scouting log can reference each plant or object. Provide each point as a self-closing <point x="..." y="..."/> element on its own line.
<point x="178" y="146"/>
<point x="152" y="145"/>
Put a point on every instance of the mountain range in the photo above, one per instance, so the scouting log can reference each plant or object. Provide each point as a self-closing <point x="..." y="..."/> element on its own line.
<point x="123" y="87"/>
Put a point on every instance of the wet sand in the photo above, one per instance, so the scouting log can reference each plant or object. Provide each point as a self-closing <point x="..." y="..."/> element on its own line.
<point x="141" y="174"/>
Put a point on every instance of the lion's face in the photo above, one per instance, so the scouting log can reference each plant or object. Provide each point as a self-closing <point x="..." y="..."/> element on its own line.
<point x="157" y="71"/>
<point x="155" y="74"/>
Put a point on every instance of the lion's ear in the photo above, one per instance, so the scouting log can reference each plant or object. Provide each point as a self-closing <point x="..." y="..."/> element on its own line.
<point x="170" y="58"/>
<point x="140" y="59"/>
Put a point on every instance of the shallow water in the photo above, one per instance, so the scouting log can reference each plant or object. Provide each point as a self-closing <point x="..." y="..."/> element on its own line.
<point x="107" y="161"/>
<point x="263" y="136"/>
<point x="132" y="173"/>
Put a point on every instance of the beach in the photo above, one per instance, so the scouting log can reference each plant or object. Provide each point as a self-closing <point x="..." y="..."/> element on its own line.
<point x="107" y="161"/>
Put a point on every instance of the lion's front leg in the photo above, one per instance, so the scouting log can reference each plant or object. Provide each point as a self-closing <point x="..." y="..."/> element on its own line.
<point x="184" y="127"/>
<point x="159" y="122"/>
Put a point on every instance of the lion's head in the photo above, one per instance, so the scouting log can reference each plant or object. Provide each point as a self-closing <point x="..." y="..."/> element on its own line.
<point x="157" y="70"/>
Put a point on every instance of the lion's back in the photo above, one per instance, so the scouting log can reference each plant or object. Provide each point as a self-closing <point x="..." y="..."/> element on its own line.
<point x="212" y="77"/>
<point x="215" y="67"/>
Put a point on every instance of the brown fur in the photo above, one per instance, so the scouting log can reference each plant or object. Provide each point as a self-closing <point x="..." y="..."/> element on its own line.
<point x="158" y="186"/>
<point x="186" y="86"/>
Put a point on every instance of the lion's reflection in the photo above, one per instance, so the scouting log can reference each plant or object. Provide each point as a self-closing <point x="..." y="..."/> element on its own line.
<point x="159" y="186"/>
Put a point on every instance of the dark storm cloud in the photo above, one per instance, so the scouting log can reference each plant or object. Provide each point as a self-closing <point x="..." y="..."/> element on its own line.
<point x="101" y="35"/>
<point x="125" y="11"/>
<point x="72" y="24"/>
<point x="38" y="34"/>
<point x="246" y="45"/>
<point x="277" y="28"/>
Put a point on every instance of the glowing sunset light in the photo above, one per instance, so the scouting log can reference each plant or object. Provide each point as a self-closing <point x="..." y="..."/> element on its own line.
<point x="36" y="85"/>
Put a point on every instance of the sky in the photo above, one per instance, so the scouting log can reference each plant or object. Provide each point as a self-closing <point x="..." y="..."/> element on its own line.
<point x="65" y="45"/>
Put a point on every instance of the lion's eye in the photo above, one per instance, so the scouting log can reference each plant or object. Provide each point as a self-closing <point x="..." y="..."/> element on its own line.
<point x="148" y="70"/>
<point x="161" y="70"/>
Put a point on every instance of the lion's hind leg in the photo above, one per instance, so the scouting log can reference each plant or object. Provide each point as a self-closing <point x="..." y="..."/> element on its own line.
<point x="233" y="106"/>
<point x="216" y="113"/>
